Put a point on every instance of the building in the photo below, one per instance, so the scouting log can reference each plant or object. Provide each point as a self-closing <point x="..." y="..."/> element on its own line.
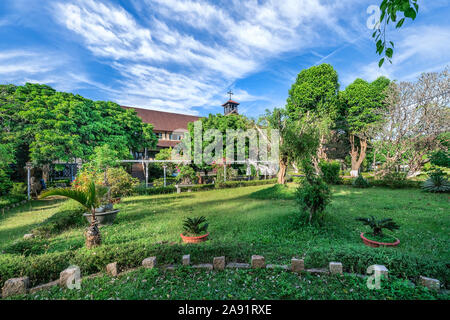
<point x="168" y="127"/>
<point x="171" y="127"/>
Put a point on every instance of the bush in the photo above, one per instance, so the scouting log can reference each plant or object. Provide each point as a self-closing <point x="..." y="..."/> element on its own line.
<point x="186" y="175"/>
<point x="121" y="182"/>
<point x="19" y="189"/>
<point x="437" y="182"/>
<point x="312" y="197"/>
<point x="160" y="182"/>
<point x="5" y="182"/>
<point x="69" y="215"/>
<point x="330" y="171"/>
<point x="6" y="201"/>
<point x="360" y="182"/>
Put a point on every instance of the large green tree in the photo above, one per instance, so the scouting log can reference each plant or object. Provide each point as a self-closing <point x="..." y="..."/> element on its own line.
<point x="47" y="125"/>
<point x="361" y="102"/>
<point x="315" y="90"/>
<point x="299" y="138"/>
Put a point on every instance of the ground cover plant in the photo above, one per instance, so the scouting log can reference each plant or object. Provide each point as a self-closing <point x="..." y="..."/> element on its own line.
<point x="240" y="224"/>
<point x="235" y="284"/>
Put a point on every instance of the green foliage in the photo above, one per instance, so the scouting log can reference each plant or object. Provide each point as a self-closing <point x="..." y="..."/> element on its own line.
<point x="330" y="171"/>
<point x="315" y="90"/>
<point x="221" y="123"/>
<point x="141" y="189"/>
<point x="69" y="215"/>
<point x="51" y="125"/>
<point x="104" y="156"/>
<point x="160" y="181"/>
<point x="393" y="178"/>
<point x="195" y="226"/>
<point x="120" y="182"/>
<point x="360" y="182"/>
<point x="390" y="10"/>
<point x="440" y="158"/>
<point x="165" y="154"/>
<point x="186" y="175"/>
<point x="312" y="197"/>
<point x="378" y="225"/>
<point x="187" y="283"/>
<point x="89" y="199"/>
<point x="19" y="189"/>
<point x="5" y="182"/>
<point x="437" y="182"/>
<point x="361" y="101"/>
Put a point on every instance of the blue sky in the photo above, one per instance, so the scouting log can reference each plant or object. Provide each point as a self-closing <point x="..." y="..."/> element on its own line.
<point x="183" y="56"/>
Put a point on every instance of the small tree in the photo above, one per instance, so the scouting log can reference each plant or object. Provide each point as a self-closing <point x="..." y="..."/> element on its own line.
<point x="313" y="195"/>
<point x="90" y="199"/>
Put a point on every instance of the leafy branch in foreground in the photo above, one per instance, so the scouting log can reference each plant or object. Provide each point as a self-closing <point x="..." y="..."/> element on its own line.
<point x="390" y="10"/>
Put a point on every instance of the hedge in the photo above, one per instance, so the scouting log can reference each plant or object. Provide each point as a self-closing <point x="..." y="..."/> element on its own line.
<point x="204" y="187"/>
<point x="394" y="184"/>
<point x="7" y="201"/>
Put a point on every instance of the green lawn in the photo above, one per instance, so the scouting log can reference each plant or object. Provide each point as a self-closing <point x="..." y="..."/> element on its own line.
<point x="242" y="223"/>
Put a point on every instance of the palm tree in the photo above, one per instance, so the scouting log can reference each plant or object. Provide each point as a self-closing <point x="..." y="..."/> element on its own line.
<point x="90" y="199"/>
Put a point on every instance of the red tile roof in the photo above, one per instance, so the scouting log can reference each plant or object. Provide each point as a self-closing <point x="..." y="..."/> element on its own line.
<point x="164" y="121"/>
<point x="232" y="101"/>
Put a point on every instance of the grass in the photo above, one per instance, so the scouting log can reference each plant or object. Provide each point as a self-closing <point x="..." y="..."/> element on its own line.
<point x="255" y="220"/>
<point x="188" y="283"/>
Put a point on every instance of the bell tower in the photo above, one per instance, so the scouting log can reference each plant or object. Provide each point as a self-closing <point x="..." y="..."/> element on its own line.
<point x="230" y="106"/>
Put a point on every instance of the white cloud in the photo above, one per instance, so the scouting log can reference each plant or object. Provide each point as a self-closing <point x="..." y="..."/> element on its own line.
<point x="182" y="54"/>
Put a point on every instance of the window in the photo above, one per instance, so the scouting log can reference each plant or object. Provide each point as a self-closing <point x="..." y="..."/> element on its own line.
<point x="159" y="135"/>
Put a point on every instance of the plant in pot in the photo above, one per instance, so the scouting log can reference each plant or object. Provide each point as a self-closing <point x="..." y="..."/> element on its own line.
<point x="91" y="200"/>
<point x="377" y="238"/>
<point x="195" y="230"/>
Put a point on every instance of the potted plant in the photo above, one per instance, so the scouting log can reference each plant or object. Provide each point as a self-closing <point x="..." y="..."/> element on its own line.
<point x="195" y="230"/>
<point x="90" y="199"/>
<point x="377" y="238"/>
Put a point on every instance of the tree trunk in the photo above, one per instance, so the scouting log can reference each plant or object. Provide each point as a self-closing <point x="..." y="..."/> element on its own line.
<point x="282" y="171"/>
<point x="46" y="172"/>
<point x="93" y="238"/>
<point x="356" y="155"/>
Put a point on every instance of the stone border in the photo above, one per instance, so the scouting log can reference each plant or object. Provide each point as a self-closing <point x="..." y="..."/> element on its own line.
<point x="13" y="205"/>
<point x="16" y="286"/>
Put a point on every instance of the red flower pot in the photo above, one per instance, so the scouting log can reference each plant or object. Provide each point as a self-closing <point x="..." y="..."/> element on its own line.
<point x="376" y="244"/>
<point x="198" y="239"/>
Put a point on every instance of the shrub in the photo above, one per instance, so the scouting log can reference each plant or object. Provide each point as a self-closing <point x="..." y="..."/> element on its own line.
<point x="360" y="182"/>
<point x="5" y="182"/>
<point x="121" y="182"/>
<point x="330" y="171"/>
<point x="19" y="189"/>
<point x="69" y="215"/>
<point x="195" y="226"/>
<point x="377" y="227"/>
<point x="437" y="182"/>
<point x="312" y="197"/>
<point x="160" y="181"/>
<point x="186" y="175"/>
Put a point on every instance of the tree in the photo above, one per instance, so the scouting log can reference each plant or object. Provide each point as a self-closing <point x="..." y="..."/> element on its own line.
<point x="46" y="125"/>
<point x="165" y="154"/>
<point x="415" y="117"/>
<point x="90" y="199"/>
<point x="299" y="139"/>
<point x="315" y="91"/>
<point x="390" y="10"/>
<point x="6" y="159"/>
<point x="361" y="101"/>
<point x="219" y="122"/>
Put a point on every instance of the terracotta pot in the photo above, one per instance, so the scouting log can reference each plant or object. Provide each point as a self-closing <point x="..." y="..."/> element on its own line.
<point x="376" y="244"/>
<point x="198" y="239"/>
